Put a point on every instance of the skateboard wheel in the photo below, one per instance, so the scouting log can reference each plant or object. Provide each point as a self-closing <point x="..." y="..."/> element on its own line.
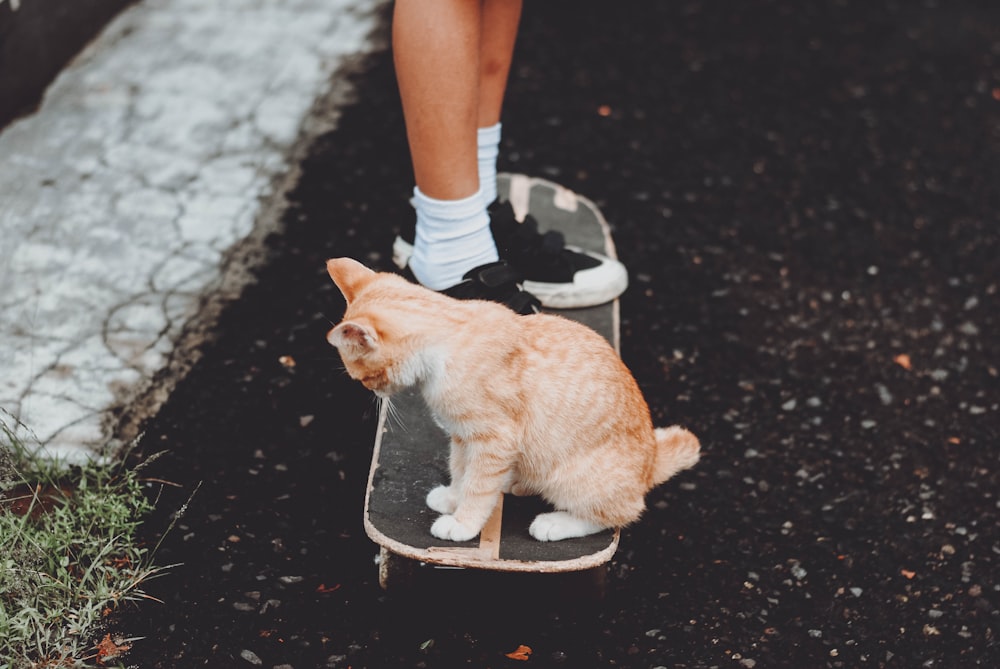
<point x="394" y="571"/>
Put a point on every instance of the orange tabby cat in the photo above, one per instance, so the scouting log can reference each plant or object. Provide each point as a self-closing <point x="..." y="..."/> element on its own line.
<point x="533" y="404"/>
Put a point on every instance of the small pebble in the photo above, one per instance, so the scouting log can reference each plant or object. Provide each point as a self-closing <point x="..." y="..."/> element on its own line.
<point x="968" y="328"/>
<point x="251" y="657"/>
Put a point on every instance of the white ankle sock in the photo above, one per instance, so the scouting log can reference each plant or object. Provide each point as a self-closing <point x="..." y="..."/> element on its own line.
<point x="488" y="150"/>
<point x="453" y="236"/>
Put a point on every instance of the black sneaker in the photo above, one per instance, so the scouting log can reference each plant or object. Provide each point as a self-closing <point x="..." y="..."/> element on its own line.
<point x="560" y="276"/>
<point x="496" y="282"/>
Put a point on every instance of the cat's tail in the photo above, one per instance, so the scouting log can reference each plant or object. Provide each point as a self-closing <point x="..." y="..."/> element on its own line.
<point x="676" y="450"/>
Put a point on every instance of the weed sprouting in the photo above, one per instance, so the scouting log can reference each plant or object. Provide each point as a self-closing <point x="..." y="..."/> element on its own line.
<point x="70" y="554"/>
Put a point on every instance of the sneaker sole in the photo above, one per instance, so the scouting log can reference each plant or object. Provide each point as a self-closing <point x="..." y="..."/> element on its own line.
<point x="590" y="287"/>
<point x="401" y="252"/>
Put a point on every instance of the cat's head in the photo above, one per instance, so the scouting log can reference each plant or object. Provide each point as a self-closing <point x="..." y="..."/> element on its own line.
<point x="375" y="338"/>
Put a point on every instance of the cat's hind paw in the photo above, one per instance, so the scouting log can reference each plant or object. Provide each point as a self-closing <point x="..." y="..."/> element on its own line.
<point x="518" y="489"/>
<point x="446" y="527"/>
<point x="442" y="499"/>
<point x="560" y="525"/>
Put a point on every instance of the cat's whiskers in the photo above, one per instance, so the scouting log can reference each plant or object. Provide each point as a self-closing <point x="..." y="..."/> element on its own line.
<point x="392" y="415"/>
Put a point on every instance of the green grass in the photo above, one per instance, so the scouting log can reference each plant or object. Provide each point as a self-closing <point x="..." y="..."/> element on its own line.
<point x="69" y="557"/>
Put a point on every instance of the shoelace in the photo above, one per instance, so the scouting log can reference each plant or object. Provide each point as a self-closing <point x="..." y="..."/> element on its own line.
<point x="524" y="243"/>
<point x="497" y="281"/>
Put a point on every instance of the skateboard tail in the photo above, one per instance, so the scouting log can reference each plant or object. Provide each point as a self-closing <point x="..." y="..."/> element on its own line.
<point x="676" y="450"/>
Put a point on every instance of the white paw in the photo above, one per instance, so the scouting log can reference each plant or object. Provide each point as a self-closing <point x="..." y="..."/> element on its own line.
<point x="446" y="527"/>
<point x="442" y="499"/>
<point x="560" y="525"/>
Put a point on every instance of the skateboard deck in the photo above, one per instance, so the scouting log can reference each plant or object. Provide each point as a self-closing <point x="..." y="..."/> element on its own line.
<point x="411" y="452"/>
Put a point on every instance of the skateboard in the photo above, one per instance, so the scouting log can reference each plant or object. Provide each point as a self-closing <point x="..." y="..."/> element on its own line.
<point x="411" y="452"/>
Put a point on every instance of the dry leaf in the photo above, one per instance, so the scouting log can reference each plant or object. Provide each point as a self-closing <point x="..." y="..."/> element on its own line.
<point x="287" y="361"/>
<point x="107" y="649"/>
<point x="907" y="573"/>
<point x="522" y="653"/>
<point x="903" y="361"/>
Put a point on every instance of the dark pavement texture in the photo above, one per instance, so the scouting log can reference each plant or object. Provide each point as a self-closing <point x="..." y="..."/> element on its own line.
<point x="805" y="196"/>
<point x="37" y="39"/>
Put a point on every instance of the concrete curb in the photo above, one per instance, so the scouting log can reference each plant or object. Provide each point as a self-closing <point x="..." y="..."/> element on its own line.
<point x="138" y="195"/>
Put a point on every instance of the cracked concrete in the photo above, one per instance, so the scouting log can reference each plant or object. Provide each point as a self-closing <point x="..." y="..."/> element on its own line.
<point x="153" y="155"/>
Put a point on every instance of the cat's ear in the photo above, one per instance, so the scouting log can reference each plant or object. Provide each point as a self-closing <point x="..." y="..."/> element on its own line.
<point x="349" y="275"/>
<point x="353" y="335"/>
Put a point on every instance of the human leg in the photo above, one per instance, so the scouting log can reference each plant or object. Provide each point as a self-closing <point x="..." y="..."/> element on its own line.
<point x="453" y="60"/>
<point x="436" y="52"/>
<point x="500" y="20"/>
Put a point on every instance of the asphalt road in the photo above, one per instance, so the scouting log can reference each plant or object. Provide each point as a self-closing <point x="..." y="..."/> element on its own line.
<point x="805" y="195"/>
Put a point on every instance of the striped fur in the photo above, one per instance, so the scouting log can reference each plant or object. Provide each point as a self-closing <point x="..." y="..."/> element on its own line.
<point x="533" y="404"/>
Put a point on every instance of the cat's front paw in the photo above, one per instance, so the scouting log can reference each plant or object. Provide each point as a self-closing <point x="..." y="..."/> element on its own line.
<point x="560" y="525"/>
<point x="446" y="527"/>
<point x="442" y="499"/>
